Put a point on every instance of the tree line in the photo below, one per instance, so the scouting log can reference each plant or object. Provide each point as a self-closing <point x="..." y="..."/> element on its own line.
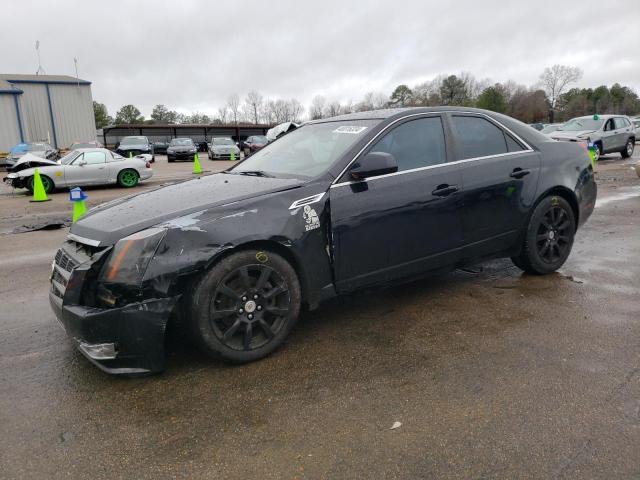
<point x="550" y="99"/>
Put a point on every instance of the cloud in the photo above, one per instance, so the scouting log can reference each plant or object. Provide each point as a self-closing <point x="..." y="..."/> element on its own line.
<point x="191" y="55"/>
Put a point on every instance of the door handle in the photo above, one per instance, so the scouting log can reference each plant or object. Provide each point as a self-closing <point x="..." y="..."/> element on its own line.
<point x="444" y="190"/>
<point x="519" y="173"/>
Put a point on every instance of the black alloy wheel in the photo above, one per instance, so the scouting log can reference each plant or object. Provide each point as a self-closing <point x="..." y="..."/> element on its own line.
<point x="548" y="238"/>
<point x="245" y="306"/>
<point x="249" y="307"/>
<point x="553" y="239"/>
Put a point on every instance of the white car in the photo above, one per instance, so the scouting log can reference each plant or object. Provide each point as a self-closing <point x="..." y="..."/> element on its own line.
<point x="85" y="166"/>
<point x="221" y="148"/>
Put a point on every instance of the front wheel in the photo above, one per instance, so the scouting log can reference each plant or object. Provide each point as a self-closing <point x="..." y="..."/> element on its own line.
<point x="245" y="306"/>
<point x="628" y="149"/>
<point x="548" y="238"/>
<point x="47" y="184"/>
<point x="128" y="178"/>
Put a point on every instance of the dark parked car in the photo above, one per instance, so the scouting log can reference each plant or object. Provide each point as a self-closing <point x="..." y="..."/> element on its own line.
<point x="132" y="146"/>
<point x="253" y="143"/>
<point x="38" y="149"/>
<point x="355" y="201"/>
<point x="181" y="149"/>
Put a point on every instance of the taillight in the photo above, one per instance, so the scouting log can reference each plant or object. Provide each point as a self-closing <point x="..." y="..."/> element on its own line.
<point x="148" y="165"/>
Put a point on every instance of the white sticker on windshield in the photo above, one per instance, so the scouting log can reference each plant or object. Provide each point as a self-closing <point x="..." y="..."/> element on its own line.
<point x="349" y="129"/>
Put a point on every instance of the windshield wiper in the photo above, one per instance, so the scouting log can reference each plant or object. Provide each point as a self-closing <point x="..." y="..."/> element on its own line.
<point x="255" y="173"/>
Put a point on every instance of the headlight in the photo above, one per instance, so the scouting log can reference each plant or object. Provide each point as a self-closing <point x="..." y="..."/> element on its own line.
<point x="131" y="256"/>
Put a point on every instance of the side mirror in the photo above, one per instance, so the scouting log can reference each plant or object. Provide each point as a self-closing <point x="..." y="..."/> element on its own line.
<point x="82" y="163"/>
<point x="374" y="164"/>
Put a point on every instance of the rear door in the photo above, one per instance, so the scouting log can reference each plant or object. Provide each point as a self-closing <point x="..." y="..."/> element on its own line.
<point x="404" y="223"/>
<point x="499" y="177"/>
<point x="623" y="131"/>
<point x="90" y="168"/>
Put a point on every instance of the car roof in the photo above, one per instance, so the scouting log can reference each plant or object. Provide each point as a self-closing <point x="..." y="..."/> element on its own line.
<point x="93" y="149"/>
<point x="607" y="115"/>
<point x="386" y="113"/>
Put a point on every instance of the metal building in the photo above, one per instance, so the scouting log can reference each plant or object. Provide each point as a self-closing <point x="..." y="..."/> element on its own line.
<point x="53" y="108"/>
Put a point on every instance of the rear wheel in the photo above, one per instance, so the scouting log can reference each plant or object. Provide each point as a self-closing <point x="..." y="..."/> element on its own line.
<point x="245" y="306"/>
<point x="628" y="149"/>
<point x="128" y="178"/>
<point x="548" y="238"/>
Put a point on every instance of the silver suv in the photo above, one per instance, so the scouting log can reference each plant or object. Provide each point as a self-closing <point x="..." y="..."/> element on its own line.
<point x="609" y="133"/>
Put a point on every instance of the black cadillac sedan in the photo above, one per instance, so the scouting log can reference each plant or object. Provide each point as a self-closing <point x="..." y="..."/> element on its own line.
<point x="360" y="200"/>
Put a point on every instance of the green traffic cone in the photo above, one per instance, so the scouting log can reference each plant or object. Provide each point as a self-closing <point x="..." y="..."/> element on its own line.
<point x="196" y="164"/>
<point x="232" y="157"/>
<point x="39" y="195"/>
<point x="79" y="209"/>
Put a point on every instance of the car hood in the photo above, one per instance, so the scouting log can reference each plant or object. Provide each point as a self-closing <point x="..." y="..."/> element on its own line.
<point x="561" y="134"/>
<point x="33" y="160"/>
<point x="114" y="220"/>
<point x="223" y="147"/>
<point x="181" y="148"/>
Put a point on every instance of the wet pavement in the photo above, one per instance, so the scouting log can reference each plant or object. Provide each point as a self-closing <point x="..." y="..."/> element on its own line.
<point x="491" y="373"/>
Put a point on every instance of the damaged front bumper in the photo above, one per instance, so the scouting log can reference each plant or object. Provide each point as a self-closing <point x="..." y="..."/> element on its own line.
<point x="127" y="340"/>
<point x="14" y="180"/>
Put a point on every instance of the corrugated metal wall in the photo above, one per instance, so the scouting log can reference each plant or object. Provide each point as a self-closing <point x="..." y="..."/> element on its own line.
<point x="34" y="108"/>
<point x="73" y="113"/>
<point x="9" y="131"/>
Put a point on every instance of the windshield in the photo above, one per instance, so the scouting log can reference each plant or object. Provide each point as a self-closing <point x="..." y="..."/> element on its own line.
<point x="308" y="151"/>
<point x="36" y="147"/>
<point x="82" y="145"/>
<point x="69" y="157"/>
<point x="223" y="141"/>
<point x="550" y="128"/>
<point x="133" y="140"/>
<point x="258" y="139"/>
<point x="578" y="124"/>
<point x="182" y="141"/>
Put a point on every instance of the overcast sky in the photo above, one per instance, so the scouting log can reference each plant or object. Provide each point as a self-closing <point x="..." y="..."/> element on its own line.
<point x="191" y="55"/>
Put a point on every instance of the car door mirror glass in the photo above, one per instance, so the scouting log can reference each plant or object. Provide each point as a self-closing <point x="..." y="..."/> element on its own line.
<point x="374" y="164"/>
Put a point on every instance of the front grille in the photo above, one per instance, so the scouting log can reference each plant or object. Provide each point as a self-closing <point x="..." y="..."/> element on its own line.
<point x="64" y="261"/>
<point x="68" y="257"/>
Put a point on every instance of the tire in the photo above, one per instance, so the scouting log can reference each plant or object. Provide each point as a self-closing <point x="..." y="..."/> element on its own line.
<point x="128" y="178"/>
<point x="598" y="151"/>
<point x="548" y="238"/>
<point x="247" y="152"/>
<point x="245" y="306"/>
<point x="627" y="151"/>
<point x="170" y="160"/>
<point x="47" y="183"/>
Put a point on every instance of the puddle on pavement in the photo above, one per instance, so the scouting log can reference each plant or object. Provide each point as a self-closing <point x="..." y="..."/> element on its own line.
<point x="629" y="193"/>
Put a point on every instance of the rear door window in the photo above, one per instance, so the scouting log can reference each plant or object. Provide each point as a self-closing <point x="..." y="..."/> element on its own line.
<point x="621" y="122"/>
<point x="478" y="137"/>
<point x="415" y="144"/>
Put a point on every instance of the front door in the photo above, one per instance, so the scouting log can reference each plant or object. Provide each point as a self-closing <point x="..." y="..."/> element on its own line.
<point x="499" y="177"/>
<point x="90" y="168"/>
<point x="399" y="224"/>
<point x="609" y="137"/>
